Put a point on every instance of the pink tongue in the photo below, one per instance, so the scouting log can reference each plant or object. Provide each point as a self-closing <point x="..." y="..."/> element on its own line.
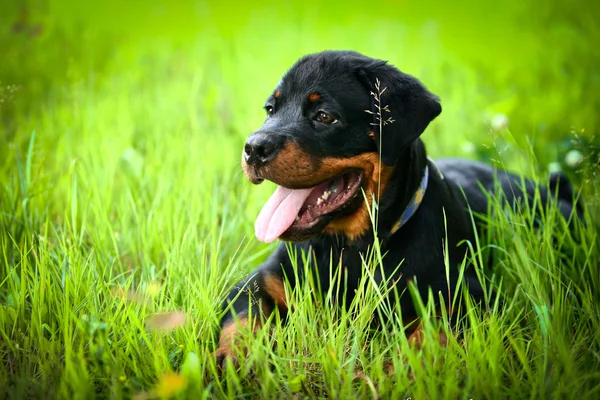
<point x="279" y="213"/>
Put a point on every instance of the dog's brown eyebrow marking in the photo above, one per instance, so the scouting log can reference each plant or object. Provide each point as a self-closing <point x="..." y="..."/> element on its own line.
<point x="314" y="97"/>
<point x="277" y="94"/>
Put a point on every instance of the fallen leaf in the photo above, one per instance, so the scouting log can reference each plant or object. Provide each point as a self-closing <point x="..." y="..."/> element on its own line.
<point x="166" y="321"/>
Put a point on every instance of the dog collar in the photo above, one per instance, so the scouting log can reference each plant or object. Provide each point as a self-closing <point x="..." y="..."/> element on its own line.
<point x="414" y="204"/>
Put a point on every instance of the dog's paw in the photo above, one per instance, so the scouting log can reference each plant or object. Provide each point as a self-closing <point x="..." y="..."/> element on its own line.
<point x="225" y="355"/>
<point x="417" y="338"/>
<point x="231" y="348"/>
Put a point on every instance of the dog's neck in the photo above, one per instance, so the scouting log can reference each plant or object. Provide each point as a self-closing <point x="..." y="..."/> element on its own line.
<point x="414" y="204"/>
<point x="401" y="197"/>
<point x="405" y="181"/>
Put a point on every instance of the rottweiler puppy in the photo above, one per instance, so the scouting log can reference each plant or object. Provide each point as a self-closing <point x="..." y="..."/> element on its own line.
<point x="342" y="130"/>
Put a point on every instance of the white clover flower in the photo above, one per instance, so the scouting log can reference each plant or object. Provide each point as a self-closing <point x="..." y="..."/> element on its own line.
<point x="499" y="122"/>
<point x="574" y="158"/>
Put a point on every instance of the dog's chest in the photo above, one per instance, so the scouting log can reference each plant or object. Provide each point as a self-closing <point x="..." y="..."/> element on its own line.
<point x="346" y="265"/>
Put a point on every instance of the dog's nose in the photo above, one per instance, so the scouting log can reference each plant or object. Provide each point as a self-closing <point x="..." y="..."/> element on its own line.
<point x="259" y="149"/>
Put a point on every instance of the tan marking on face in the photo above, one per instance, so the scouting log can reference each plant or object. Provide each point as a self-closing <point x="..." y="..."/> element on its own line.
<point x="277" y="94"/>
<point x="371" y="134"/>
<point x="314" y="97"/>
<point x="274" y="287"/>
<point x="294" y="168"/>
<point x="376" y="177"/>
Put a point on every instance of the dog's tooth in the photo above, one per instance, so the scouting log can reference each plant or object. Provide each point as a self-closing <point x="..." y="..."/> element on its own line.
<point x="297" y="218"/>
<point x="326" y="195"/>
<point x="319" y="201"/>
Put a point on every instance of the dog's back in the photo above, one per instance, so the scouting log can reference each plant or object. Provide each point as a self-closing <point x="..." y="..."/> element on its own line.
<point x="478" y="181"/>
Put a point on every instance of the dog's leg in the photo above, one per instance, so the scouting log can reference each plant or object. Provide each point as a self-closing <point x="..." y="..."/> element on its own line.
<point x="252" y="301"/>
<point x="414" y="326"/>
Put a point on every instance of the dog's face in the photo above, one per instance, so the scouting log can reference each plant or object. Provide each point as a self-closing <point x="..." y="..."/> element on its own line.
<point x="322" y="142"/>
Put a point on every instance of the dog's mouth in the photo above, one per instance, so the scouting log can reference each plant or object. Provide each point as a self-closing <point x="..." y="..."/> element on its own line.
<point x="295" y="214"/>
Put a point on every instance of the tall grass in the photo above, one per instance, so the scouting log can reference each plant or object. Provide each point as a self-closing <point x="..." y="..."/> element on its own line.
<point x="121" y="199"/>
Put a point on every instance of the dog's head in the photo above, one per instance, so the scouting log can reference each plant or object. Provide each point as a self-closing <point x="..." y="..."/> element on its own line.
<point x="337" y="122"/>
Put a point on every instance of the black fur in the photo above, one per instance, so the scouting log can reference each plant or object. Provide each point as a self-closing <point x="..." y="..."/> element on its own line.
<point x="346" y="80"/>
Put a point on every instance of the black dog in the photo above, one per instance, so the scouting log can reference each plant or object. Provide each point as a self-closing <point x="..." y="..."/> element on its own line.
<point x="339" y="122"/>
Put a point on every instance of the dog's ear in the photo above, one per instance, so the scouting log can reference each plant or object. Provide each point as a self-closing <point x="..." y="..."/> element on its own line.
<point x="401" y="108"/>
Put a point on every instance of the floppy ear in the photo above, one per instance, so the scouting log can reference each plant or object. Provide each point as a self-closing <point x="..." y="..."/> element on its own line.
<point x="401" y="108"/>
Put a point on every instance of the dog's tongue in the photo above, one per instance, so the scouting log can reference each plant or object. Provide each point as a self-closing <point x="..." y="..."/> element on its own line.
<point x="279" y="213"/>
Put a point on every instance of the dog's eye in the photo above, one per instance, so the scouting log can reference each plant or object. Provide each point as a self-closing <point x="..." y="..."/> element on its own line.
<point x="269" y="110"/>
<point x="325" y="118"/>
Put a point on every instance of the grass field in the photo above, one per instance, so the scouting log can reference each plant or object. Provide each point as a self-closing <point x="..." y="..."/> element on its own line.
<point x="125" y="218"/>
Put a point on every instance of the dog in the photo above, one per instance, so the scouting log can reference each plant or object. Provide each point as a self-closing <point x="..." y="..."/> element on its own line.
<point x="343" y="130"/>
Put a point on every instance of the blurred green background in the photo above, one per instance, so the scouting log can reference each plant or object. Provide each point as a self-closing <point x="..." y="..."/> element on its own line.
<point x="211" y="64"/>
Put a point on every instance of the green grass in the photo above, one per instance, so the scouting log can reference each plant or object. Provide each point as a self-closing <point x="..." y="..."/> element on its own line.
<point x="122" y="197"/>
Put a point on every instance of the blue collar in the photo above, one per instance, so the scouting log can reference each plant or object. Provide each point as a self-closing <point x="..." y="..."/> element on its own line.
<point x="414" y="204"/>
